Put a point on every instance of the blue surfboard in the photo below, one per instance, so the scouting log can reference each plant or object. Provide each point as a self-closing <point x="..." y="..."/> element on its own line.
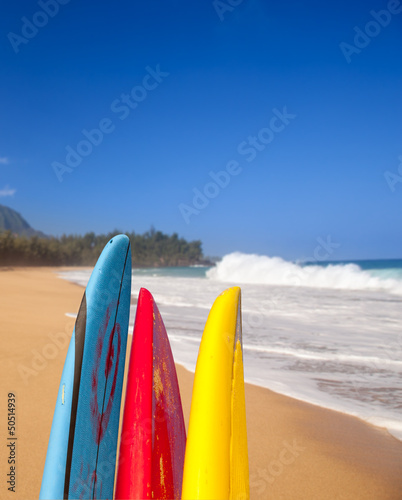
<point x="81" y="455"/>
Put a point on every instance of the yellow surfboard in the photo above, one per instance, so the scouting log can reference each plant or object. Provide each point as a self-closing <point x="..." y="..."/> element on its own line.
<point x="216" y="459"/>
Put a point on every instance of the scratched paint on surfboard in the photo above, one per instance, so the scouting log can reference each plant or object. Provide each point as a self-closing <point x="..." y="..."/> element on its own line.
<point x="103" y="386"/>
<point x="95" y="439"/>
<point x="80" y="461"/>
<point x="153" y="433"/>
<point x="168" y="441"/>
<point x="99" y="414"/>
<point x="135" y="454"/>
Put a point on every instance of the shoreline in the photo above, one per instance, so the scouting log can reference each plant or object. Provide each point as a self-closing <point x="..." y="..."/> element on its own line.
<point x="310" y="403"/>
<point x="389" y="423"/>
<point x="296" y="449"/>
<point x="305" y="439"/>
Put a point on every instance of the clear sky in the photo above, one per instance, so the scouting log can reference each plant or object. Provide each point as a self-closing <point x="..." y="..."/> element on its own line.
<point x="122" y="115"/>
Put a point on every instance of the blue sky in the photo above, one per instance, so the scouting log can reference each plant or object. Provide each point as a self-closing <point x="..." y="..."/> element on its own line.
<point x="298" y="103"/>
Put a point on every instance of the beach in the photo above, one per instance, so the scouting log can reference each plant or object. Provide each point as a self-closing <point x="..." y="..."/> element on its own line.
<point x="296" y="450"/>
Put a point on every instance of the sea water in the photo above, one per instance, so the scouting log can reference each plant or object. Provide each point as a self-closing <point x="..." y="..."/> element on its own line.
<point x="326" y="333"/>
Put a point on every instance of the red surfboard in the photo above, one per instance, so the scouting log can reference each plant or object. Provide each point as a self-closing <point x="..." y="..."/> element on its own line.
<point x="153" y="436"/>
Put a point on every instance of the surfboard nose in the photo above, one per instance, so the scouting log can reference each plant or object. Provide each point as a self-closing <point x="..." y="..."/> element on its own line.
<point x="120" y="242"/>
<point x="119" y="239"/>
<point x="114" y="254"/>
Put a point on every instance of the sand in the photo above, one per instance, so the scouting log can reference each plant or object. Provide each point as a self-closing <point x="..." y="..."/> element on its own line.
<point x="296" y="450"/>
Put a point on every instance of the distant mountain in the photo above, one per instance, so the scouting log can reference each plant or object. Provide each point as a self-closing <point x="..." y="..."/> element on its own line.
<point x="151" y="249"/>
<point x="10" y="220"/>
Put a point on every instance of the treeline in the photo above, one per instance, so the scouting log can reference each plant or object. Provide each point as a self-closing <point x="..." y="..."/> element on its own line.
<point x="151" y="249"/>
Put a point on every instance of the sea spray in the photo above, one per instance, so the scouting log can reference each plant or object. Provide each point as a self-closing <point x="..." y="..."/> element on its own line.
<point x="260" y="269"/>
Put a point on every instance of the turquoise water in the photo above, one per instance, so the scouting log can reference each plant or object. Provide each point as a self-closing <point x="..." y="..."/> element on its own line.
<point x="381" y="268"/>
<point x="173" y="272"/>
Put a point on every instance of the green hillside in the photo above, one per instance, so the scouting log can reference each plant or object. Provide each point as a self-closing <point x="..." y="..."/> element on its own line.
<point x="12" y="221"/>
<point x="22" y="245"/>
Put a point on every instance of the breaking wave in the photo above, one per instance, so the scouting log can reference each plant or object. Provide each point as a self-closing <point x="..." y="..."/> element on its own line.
<point x="261" y="269"/>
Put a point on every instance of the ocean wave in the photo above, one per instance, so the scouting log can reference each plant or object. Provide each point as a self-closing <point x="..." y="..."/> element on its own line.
<point x="374" y="361"/>
<point x="260" y="269"/>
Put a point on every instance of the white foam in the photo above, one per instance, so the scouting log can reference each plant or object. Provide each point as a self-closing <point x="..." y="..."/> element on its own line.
<point x="394" y="427"/>
<point x="334" y="358"/>
<point x="260" y="269"/>
<point x="336" y="348"/>
<point x="78" y="277"/>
